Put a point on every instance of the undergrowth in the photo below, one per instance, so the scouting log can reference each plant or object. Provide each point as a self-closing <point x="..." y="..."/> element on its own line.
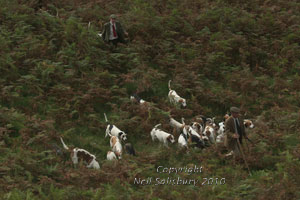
<point x="58" y="78"/>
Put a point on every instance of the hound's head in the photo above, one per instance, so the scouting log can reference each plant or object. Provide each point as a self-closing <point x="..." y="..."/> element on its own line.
<point x="171" y="139"/>
<point x="122" y="135"/>
<point x="248" y="123"/>
<point x="211" y="123"/>
<point x="118" y="154"/>
<point x="226" y="117"/>
<point x="182" y="101"/>
<point x="200" y="120"/>
<point x="197" y="127"/>
<point x="209" y="130"/>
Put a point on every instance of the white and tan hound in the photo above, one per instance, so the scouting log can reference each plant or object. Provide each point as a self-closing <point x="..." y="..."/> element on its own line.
<point x="210" y="132"/>
<point x="78" y="155"/>
<point x="248" y="124"/>
<point x="162" y="136"/>
<point x="116" y="146"/>
<point x="177" y="126"/>
<point x="174" y="97"/>
<point x="114" y="131"/>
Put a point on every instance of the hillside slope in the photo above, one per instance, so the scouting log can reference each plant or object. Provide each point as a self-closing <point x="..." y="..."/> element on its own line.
<point x="58" y="78"/>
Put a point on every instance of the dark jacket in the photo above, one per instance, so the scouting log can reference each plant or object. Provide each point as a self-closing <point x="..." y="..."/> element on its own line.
<point x="230" y="130"/>
<point x="119" y="29"/>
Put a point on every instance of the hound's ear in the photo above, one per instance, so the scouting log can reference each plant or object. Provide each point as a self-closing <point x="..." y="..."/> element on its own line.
<point x="120" y="134"/>
<point x="246" y="124"/>
<point x="208" y="133"/>
<point x="180" y="101"/>
<point x="169" y="138"/>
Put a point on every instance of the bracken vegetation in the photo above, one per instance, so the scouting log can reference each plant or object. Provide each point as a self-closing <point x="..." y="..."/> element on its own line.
<point x="57" y="78"/>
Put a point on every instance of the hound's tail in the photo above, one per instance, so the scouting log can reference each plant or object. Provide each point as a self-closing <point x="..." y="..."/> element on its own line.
<point x="65" y="146"/>
<point x="169" y="85"/>
<point x="105" y="118"/>
<point x="157" y="125"/>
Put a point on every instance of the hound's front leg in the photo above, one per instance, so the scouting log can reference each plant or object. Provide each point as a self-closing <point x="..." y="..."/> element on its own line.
<point x="166" y="143"/>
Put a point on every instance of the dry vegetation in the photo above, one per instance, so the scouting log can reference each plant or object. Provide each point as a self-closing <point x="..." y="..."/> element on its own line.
<point x="58" y="78"/>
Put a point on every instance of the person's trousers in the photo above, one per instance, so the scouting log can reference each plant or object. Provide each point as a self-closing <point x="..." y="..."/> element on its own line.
<point x="114" y="41"/>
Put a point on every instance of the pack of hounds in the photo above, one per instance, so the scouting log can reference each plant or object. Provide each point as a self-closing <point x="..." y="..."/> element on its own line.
<point x="199" y="134"/>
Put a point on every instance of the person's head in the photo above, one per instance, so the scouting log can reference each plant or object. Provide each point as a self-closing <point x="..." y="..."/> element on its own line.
<point x="235" y="112"/>
<point x="113" y="17"/>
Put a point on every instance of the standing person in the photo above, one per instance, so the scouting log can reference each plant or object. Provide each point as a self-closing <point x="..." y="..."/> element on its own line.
<point x="113" y="31"/>
<point x="234" y="129"/>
